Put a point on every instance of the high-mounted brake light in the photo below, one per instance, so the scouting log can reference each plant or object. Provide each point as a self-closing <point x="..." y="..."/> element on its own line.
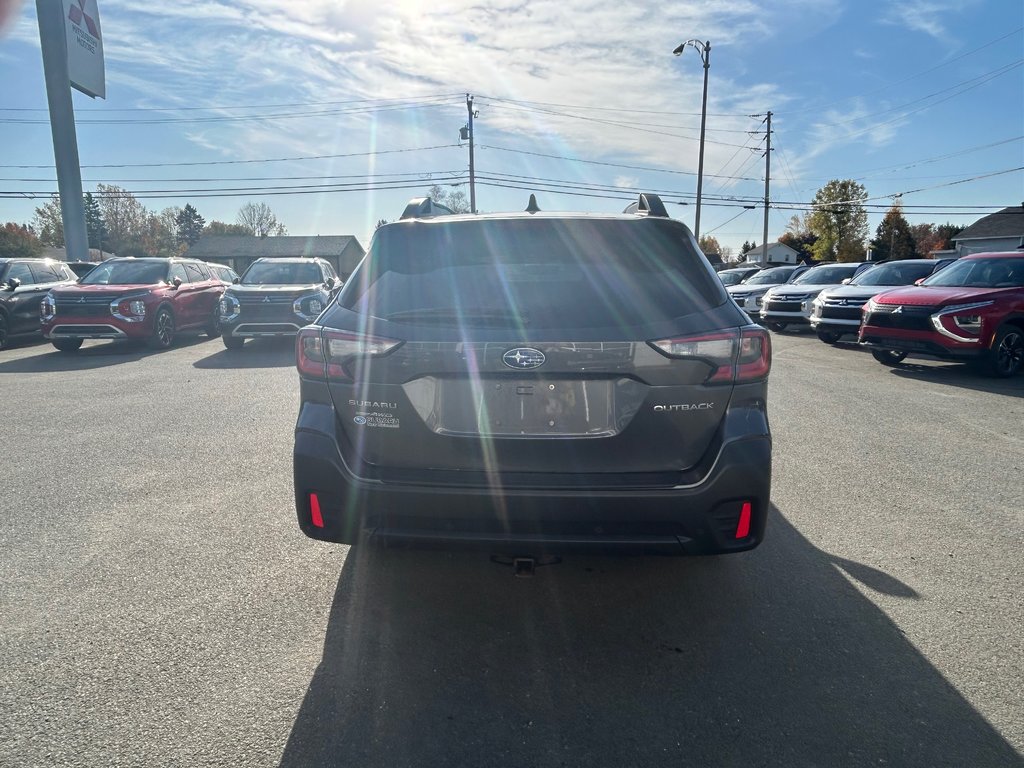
<point x="737" y="355"/>
<point x="321" y="353"/>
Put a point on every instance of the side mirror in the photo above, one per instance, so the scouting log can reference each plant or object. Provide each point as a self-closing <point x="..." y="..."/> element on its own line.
<point x="329" y="282"/>
<point x="12" y="284"/>
<point x="176" y="282"/>
<point x="847" y="281"/>
<point x="236" y="280"/>
<point x="919" y="281"/>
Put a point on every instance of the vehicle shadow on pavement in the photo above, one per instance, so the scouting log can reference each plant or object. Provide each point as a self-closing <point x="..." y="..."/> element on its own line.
<point x="258" y="353"/>
<point x="767" y="658"/>
<point x="90" y="356"/>
<point x="962" y="376"/>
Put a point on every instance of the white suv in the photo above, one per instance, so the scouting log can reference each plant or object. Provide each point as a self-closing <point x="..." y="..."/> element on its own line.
<point x="790" y="304"/>
<point x="837" y="311"/>
<point x="749" y="293"/>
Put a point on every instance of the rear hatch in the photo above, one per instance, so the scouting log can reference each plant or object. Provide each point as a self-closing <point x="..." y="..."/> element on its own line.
<point x="522" y="346"/>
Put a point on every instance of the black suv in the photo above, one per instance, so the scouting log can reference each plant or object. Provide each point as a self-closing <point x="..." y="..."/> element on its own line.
<point x="23" y="284"/>
<point x="533" y="383"/>
<point x="276" y="297"/>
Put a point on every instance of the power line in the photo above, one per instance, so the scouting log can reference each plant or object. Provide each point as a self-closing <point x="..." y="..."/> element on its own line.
<point x="243" y="106"/>
<point x="887" y="86"/>
<point x="597" y="162"/>
<point x="237" y="118"/>
<point x="585" y="108"/>
<point x="243" y="162"/>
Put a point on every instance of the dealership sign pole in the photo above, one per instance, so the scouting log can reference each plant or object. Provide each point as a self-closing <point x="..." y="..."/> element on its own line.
<point x="72" y="47"/>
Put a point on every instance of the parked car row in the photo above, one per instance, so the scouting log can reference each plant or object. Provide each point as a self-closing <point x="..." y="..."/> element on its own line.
<point x="155" y="300"/>
<point x="969" y="309"/>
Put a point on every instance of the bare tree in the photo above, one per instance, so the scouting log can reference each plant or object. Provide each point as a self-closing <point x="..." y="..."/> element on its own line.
<point x="259" y="220"/>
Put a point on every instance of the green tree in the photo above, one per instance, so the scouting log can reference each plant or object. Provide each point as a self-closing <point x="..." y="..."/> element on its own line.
<point x="380" y="223"/>
<point x="189" y="225"/>
<point x="893" y="239"/>
<point x="840" y="221"/>
<point x="18" y="241"/>
<point x="95" y="226"/>
<point x="221" y="228"/>
<point x="49" y="223"/>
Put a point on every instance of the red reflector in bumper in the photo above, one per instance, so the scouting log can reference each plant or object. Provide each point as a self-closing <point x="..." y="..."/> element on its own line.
<point x="314" y="511"/>
<point x="743" y="526"/>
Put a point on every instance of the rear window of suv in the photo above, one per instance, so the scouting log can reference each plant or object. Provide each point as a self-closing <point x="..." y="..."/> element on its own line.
<point x="568" y="273"/>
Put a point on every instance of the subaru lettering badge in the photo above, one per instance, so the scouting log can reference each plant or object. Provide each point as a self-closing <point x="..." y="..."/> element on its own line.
<point x="523" y="358"/>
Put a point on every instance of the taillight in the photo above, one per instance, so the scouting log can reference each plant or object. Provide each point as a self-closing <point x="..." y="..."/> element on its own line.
<point x="321" y="353"/>
<point x="309" y="353"/>
<point x="754" y="358"/>
<point x="738" y="355"/>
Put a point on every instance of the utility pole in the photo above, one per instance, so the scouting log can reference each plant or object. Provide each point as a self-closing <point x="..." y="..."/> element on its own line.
<point x="52" y="42"/>
<point x="706" y="57"/>
<point x="767" y="181"/>
<point x="472" y="170"/>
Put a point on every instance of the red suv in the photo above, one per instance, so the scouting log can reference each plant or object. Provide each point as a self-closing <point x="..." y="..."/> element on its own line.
<point x="146" y="299"/>
<point x="972" y="310"/>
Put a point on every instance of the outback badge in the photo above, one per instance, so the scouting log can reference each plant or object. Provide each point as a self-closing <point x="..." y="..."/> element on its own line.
<point x="523" y="358"/>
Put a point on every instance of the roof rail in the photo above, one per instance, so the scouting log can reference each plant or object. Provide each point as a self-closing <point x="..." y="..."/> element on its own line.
<point x="424" y="207"/>
<point x="648" y="204"/>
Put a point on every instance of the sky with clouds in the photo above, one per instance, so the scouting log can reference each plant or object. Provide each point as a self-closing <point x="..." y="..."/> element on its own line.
<point x="581" y="101"/>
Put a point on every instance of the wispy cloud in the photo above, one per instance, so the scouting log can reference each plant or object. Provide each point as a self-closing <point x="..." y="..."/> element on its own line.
<point x="925" y="16"/>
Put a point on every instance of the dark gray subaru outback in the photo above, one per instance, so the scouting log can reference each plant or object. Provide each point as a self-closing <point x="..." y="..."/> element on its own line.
<point x="534" y="383"/>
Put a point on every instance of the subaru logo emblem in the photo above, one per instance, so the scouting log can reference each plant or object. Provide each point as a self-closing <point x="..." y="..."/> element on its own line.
<point x="523" y="358"/>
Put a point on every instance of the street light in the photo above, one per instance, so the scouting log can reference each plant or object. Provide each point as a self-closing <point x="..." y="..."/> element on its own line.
<point x="705" y="54"/>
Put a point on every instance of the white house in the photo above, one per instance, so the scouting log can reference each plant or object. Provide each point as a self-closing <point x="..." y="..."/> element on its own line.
<point x="778" y="253"/>
<point x="1001" y="231"/>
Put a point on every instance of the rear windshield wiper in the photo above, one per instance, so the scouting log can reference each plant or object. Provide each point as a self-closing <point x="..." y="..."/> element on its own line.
<point x="454" y="315"/>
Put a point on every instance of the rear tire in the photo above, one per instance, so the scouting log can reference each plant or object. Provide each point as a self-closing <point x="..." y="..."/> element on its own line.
<point x="163" y="330"/>
<point x="233" y="342"/>
<point x="67" y="345"/>
<point x="888" y="357"/>
<point x="829" y="337"/>
<point x="1006" y="358"/>
<point x="3" y="332"/>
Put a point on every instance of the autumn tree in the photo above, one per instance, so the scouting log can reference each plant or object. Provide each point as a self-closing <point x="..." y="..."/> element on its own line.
<point x="189" y="225"/>
<point x="840" y="221"/>
<point x="799" y="237"/>
<point x="18" y="241"/>
<point x="893" y="239"/>
<point x="259" y="220"/>
<point x="48" y="223"/>
<point x="127" y="220"/>
<point x="709" y="244"/>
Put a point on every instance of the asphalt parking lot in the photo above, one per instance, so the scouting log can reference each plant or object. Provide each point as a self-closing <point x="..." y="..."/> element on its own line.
<point x="158" y="605"/>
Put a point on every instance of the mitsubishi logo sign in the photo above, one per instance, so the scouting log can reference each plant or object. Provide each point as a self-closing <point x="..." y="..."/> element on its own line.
<point x="77" y="15"/>
<point x="84" y="46"/>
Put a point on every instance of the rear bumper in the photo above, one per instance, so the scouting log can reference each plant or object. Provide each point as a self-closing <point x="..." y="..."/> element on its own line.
<point x="700" y="518"/>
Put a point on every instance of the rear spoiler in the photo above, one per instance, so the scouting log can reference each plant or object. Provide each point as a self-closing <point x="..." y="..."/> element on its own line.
<point x="648" y="204"/>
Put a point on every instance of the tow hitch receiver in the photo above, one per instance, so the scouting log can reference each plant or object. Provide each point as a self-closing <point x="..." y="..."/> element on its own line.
<point x="524" y="567"/>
